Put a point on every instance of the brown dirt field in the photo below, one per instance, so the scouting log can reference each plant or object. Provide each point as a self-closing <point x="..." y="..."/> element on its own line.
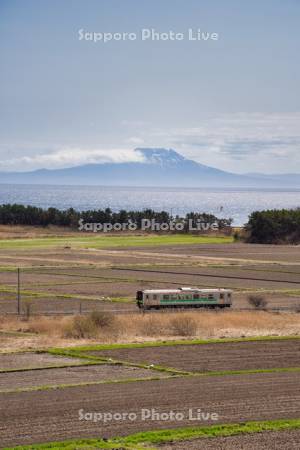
<point x="275" y="301"/>
<point x="225" y="272"/>
<point x="32" y="417"/>
<point x="70" y="375"/>
<point x="258" y="252"/>
<point x="172" y="254"/>
<point x="273" y="268"/>
<point x="65" y="306"/>
<point x="84" y="257"/>
<point x="59" y="259"/>
<point x="211" y="277"/>
<point x="214" y="357"/>
<point x="50" y="304"/>
<point x="49" y="286"/>
<point x="166" y="266"/>
<point x="279" y="440"/>
<point x="32" y="360"/>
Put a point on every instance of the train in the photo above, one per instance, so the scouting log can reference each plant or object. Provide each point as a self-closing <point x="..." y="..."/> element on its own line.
<point x="184" y="297"/>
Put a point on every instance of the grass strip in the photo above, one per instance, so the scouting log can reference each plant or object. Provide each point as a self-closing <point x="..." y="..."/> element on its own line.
<point x="245" y="371"/>
<point x="146" y="439"/>
<point x="83" y="444"/>
<point x="173" y="435"/>
<point x="112" y="241"/>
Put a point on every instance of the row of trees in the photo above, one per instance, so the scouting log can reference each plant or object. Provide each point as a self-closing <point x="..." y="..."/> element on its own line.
<point x="263" y="227"/>
<point x="277" y="226"/>
<point x="14" y="214"/>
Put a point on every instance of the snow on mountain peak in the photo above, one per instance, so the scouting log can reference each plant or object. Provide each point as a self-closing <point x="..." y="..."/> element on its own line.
<point x="161" y="156"/>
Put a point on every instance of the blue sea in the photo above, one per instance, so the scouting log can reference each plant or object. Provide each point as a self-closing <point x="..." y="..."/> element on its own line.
<point x="234" y="203"/>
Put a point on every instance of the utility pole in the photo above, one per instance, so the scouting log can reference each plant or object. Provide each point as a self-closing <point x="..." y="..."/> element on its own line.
<point x="19" y="293"/>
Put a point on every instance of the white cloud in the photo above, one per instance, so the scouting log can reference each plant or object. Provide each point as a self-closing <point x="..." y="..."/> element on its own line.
<point x="68" y="157"/>
<point x="241" y="142"/>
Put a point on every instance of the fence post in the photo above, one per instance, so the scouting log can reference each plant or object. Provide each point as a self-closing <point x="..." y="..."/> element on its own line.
<point x="19" y="292"/>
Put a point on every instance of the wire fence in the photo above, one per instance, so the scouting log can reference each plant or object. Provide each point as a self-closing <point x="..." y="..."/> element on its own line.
<point x="64" y="290"/>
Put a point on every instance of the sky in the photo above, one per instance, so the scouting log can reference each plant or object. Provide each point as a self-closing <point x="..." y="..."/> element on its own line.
<point x="232" y="102"/>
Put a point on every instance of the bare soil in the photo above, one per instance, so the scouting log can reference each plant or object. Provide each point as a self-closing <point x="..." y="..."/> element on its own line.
<point x="62" y="289"/>
<point x="55" y="305"/>
<point x="47" y="415"/>
<point x="215" y="357"/>
<point x="120" y="272"/>
<point x="31" y="360"/>
<point x="70" y="375"/>
<point x="43" y="416"/>
<point x="279" y="440"/>
<point x="260" y="252"/>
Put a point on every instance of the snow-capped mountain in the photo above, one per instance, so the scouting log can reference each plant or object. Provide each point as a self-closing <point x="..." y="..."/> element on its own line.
<point x="157" y="167"/>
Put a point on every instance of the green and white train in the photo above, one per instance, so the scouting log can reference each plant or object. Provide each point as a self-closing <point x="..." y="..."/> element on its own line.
<point x="185" y="297"/>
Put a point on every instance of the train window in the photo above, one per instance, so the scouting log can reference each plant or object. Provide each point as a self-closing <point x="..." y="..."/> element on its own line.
<point x="221" y="296"/>
<point x="211" y="296"/>
<point x="166" y="297"/>
<point x="196" y="296"/>
<point x="229" y="295"/>
<point x="154" y="297"/>
<point x="147" y="297"/>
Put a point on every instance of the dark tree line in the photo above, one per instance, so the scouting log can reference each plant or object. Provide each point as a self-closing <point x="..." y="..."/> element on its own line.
<point x="14" y="214"/>
<point x="276" y="226"/>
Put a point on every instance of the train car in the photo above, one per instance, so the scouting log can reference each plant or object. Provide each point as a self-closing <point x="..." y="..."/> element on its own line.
<point x="184" y="297"/>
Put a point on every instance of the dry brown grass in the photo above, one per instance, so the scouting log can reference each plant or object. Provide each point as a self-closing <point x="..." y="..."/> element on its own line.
<point x="144" y="326"/>
<point x="29" y="231"/>
<point x="207" y="324"/>
<point x="138" y="327"/>
<point x="46" y="325"/>
<point x="184" y="325"/>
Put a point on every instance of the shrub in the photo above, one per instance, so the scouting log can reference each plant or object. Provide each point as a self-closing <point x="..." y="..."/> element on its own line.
<point x="102" y="319"/>
<point x="183" y="325"/>
<point x="275" y="226"/>
<point x="257" y="301"/>
<point x="81" y="327"/>
<point x="236" y="236"/>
